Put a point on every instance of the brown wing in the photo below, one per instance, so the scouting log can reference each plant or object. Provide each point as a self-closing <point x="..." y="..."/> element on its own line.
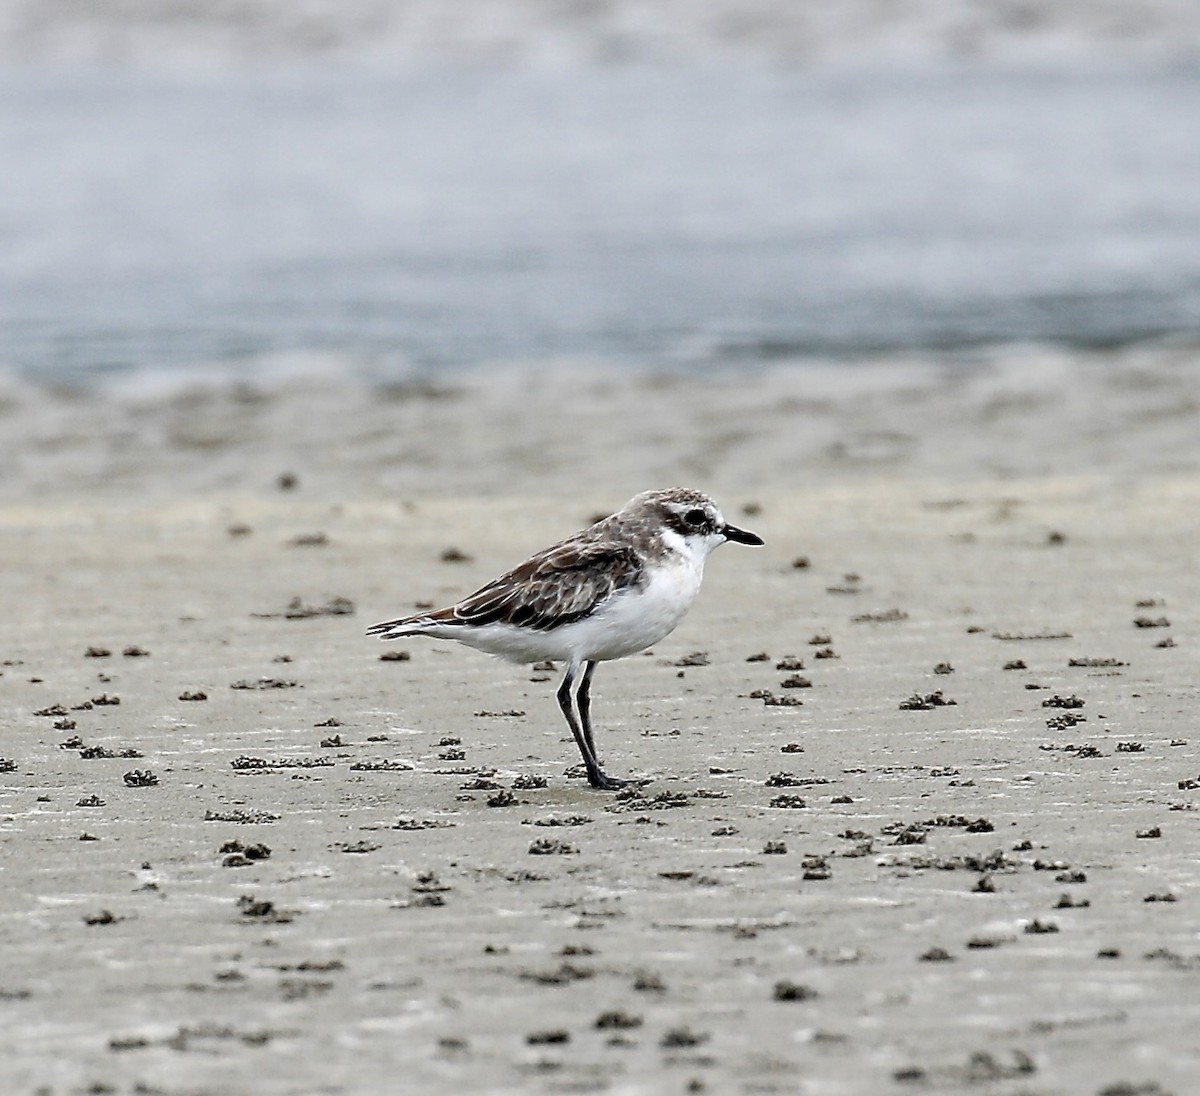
<point x="560" y="585"/>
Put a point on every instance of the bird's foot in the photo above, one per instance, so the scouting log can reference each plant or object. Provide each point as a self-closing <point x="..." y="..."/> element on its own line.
<point x="600" y="779"/>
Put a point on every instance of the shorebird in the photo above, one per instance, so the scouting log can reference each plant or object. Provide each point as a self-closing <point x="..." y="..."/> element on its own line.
<point x="607" y="592"/>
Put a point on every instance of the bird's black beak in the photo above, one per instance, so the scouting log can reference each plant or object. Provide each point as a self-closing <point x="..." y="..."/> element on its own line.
<point x="742" y="536"/>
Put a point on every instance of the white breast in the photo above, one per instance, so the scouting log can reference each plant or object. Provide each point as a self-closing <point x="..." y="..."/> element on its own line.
<point x="637" y="618"/>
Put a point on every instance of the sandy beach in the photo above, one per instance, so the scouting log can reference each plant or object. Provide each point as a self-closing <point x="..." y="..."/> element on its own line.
<point x="922" y="803"/>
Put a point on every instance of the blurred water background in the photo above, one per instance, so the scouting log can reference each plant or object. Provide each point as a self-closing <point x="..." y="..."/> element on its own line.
<point x="410" y="188"/>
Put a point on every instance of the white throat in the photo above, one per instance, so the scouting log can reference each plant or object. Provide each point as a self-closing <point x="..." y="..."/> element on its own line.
<point x="692" y="551"/>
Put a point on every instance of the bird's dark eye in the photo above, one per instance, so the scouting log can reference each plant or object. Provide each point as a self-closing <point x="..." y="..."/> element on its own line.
<point x="695" y="517"/>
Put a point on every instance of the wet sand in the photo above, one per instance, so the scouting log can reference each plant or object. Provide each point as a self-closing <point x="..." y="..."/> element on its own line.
<point x="922" y="810"/>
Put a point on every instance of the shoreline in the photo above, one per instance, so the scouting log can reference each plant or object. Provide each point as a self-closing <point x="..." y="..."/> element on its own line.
<point x="835" y="896"/>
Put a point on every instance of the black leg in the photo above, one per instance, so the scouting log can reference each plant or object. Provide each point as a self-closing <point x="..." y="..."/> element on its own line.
<point x="597" y="777"/>
<point x="583" y="698"/>
<point x="565" y="703"/>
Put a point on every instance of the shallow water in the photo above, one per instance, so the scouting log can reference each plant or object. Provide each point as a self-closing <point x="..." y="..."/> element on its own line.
<point x="686" y="216"/>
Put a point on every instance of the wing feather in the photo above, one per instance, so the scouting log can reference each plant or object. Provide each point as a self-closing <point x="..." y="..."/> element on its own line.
<point x="560" y="585"/>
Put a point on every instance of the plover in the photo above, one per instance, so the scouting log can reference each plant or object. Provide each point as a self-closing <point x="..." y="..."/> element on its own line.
<point x="609" y="591"/>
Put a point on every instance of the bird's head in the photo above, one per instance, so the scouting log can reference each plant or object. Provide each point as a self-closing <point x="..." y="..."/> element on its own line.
<point x="691" y="515"/>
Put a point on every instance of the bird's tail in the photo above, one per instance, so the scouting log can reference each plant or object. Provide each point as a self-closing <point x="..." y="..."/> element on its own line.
<point x="421" y="624"/>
